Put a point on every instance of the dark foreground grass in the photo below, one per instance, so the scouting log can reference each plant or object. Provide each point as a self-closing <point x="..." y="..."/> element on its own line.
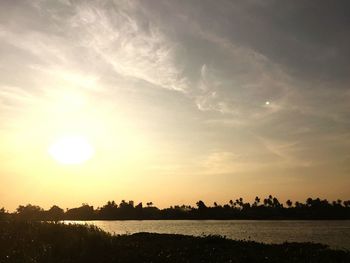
<point x="48" y="242"/>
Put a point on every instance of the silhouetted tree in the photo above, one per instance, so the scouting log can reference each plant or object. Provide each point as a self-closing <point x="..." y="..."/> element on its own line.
<point x="30" y="212"/>
<point x="55" y="213"/>
<point x="231" y="203"/>
<point x="266" y="202"/>
<point x="84" y="212"/>
<point x="109" y="210"/>
<point x="139" y="206"/>
<point x="271" y="209"/>
<point x="239" y="202"/>
<point x="309" y="202"/>
<point x="2" y="213"/>
<point x="276" y="203"/>
<point x="256" y="201"/>
<point x="123" y="204"/>
<point x="201" y="205"/>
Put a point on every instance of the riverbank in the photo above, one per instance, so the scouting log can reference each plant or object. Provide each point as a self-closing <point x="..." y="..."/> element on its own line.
<point x="48" y="242"/>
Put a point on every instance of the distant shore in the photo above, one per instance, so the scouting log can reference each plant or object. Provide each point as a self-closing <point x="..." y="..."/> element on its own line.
<point x="56" y="242"/>
<point x="205" y="219"/>
<point x="269" y="208"/>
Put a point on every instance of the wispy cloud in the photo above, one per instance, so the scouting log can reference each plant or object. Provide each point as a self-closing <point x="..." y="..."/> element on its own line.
<point x="244" y="88"/>
<point x="73" y="48"/>
<point x="286" y="151"/>
<point x="133" y="50"/>
<point x="79" y="43"/>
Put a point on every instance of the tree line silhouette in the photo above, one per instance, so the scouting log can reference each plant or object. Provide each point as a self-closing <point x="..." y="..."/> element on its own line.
<point x="268" y="208"/>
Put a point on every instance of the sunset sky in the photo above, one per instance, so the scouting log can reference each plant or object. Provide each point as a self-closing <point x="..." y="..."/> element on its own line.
<point x="177" y="100"/>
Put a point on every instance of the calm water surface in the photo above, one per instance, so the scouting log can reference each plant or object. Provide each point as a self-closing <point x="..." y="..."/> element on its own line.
<point x="333" y="233"/>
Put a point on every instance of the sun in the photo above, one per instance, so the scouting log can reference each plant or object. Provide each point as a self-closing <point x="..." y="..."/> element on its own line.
<point x="71" y="150"/>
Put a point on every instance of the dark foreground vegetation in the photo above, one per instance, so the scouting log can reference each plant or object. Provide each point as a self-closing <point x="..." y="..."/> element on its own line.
<point x="268" y="208"/>
<point x="24" y="242"/>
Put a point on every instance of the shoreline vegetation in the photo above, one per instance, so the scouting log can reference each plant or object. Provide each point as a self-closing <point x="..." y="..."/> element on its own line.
<point x="24" y="241"/>
<point x="266" y="209"/>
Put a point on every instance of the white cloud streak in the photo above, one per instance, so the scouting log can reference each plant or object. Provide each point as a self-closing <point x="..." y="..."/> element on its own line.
<point x="80" y="45"/>
<point x="141" y="53"/>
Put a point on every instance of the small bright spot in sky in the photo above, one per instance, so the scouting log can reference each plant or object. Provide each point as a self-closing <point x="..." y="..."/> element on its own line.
<point x="267" y="103"/>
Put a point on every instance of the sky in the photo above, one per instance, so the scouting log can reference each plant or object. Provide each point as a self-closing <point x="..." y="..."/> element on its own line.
<point x="180" y="100"/>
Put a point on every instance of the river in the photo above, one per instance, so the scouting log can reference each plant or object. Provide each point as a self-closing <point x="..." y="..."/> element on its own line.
<point x="334" y="233"/>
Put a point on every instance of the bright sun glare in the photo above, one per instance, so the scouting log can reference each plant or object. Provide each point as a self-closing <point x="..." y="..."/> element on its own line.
<point x="71" y="150"/>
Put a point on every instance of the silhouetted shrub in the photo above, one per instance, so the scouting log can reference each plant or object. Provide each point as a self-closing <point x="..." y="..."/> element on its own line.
<point x="54" y="242"/>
